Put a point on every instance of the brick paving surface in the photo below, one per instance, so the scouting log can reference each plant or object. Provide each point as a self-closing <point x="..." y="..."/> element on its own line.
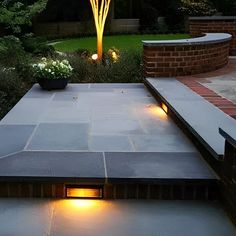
<point x="217" y="87"/>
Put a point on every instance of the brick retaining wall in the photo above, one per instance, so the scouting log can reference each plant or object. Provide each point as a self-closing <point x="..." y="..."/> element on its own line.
<point x="219" y="24"/>
<point x="185" y="57"/>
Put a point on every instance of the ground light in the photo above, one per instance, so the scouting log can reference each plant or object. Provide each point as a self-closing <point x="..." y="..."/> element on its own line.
<point x="84" y="192"/>
<point x="164" y="107"/>
<point x="94" y="57"/>
<point x="157" y="111"/>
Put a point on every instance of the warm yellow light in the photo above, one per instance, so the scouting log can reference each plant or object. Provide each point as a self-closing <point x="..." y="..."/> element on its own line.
<point x="82" y="192"/>
<point x="156" y="111"/>
<point x="82" y="204"/>
<point x="164" y="107"/>
<point x="95" y="57"/>
<point x="100" y="10"/>
<point x="114" y="56"/>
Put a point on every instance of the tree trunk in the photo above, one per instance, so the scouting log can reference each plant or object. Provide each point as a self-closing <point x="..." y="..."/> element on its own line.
<point x="99" y="45"/>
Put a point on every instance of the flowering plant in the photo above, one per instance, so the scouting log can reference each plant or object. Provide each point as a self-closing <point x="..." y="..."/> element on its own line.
<point x="52" y="69"/>
<point x="197" y="8"/>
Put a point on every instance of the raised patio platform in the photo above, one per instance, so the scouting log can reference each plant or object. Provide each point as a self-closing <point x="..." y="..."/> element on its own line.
<point x="104" y="134"/>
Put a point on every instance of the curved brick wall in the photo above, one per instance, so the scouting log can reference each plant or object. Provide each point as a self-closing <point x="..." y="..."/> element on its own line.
<point x="214" y="24"/>
<point x="185" y="57"/>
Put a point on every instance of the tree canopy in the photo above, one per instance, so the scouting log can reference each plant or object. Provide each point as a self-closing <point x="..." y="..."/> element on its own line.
<point x="15" y="14"/>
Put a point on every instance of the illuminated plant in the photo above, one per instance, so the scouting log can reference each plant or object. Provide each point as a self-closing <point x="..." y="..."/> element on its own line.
<point x="197" y="8"/>
<point x="100" y="11"/>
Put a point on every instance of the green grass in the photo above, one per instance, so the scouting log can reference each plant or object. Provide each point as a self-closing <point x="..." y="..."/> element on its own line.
<point x="121" y="42"/>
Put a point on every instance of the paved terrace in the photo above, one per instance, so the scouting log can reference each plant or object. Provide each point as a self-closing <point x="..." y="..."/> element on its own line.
<point x="95" y="131"/>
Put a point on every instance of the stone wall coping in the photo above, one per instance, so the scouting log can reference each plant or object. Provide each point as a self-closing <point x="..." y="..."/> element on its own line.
<point x="229" y="135"/>
<point x="212" y="18"/>
<point x="209" y="38"/>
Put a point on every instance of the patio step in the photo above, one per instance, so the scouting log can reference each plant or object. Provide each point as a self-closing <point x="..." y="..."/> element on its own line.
<point x="201" y="118"/>
<point x="121" y="175"/>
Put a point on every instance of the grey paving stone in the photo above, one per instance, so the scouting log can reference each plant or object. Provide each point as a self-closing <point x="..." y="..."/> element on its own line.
<point x="116" y="126"/>
<point x="37" y="92"/>
<point x="71" y="87"/>
<point x="13" y="138"/>
<point x="138" y="218"/>
<point x="58" y="113"/>
<point x="107" y="111"/>
<point x="53" y="164"/>
<point x="162" y="142"/>
<point x="117" y="85"/>
<point x="141" y="92"/>
<point x="160" y="127"/>
<point x="58" y="136"/>
<point x="27" y="111"/>
<point x="66" y="96"/>
<point x="110" y="143"/>
<point x="223" y="85"/>
<point x="200" y="116"/>
<point x="25" y="217"/>
<point x="157" y="166"/>
<point x="172" y="91"/>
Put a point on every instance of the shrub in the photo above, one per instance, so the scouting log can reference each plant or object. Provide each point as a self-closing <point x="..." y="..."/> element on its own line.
<point x="126" y="70"/>
<point x="11" y="51"/>
<point x="11" y="89"/>
<point x="197" y="8"/>
<point x="37" y="45"/>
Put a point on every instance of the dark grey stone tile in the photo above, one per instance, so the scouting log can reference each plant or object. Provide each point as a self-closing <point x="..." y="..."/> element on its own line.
<point x="13" y="138"/>
<point x="110" y="143"/>
<point x="157" y="166"/>
<point x="56" y="136"/>
<point x="53" y="164"/>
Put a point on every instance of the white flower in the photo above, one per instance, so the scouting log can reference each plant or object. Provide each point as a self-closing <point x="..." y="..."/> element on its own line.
<point x="41" y="66"/>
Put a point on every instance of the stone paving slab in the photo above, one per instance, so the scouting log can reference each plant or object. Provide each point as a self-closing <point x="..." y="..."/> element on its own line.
<point x="201" y="117"/>
<point x="53" y="165"/>
<point x="13" y="138"/>
<point x="60" y="136"/>
<point x="157" y="166"/>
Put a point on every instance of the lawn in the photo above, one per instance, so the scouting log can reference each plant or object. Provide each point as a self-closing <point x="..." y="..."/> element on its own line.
<point x="121" y="42"/>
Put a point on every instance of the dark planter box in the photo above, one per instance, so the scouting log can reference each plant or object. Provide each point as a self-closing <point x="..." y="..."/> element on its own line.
<point x="51" y="84"/>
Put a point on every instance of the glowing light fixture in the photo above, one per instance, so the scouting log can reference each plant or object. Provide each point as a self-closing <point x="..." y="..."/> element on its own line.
<point x="84" y="192"/>
<point x="164" y="107"/>
<point x="95" y="57"/>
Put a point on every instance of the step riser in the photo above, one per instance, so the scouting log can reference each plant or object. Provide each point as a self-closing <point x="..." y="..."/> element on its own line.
<point x="184" y="191"/>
